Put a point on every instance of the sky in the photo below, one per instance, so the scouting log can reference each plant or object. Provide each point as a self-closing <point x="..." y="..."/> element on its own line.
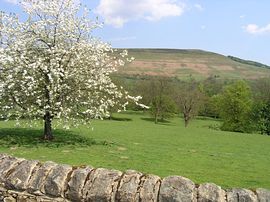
<point x="239" y="28"/>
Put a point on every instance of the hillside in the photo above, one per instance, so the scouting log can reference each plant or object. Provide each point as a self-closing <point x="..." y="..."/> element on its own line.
<point x="183" y="63"/>
<point x="248" y="62"/>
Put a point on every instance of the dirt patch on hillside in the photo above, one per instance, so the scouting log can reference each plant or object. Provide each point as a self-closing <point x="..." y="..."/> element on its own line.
<point x="185" y="66"/>
<point x="200" y="68"/>
<point x="166" y="66"/>
<point x="223" y="68"/>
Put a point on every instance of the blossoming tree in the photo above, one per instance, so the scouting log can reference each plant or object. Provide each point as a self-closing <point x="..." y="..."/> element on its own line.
<point x="52" y="67"/>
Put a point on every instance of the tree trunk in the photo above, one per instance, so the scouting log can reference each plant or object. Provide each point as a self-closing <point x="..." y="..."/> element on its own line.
<point x="156" y="118"/>
<point x="162" y="118"/>
<point x="48" y="126"/>
<point x="186" y="123"/>
<point x="186" y="119"/>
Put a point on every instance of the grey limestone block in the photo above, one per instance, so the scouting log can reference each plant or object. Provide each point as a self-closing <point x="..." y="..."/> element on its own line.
<point x="21" y="174"/>
<point x="76" y="184"/>
<point x="127" y="189"/>
<point x="177" y="189"/>
<point x="37" y="181"/>
<point x="149" y="189"/>
<point x="263" y="195"/>
<point x="101" y="185"/>
<point x="56" y="180"/>
<point x="241" y="195"/>
<point x="2" y="156"/>
<point x="6" y="166"/>
<point x="9" y="199"/>
<point x="48" y="199"/>
<point x="209" y="192"/>
<point x="26" y="199"/>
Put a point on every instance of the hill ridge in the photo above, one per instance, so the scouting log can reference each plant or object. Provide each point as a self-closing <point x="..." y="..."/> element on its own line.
<point x="182" y="63"/>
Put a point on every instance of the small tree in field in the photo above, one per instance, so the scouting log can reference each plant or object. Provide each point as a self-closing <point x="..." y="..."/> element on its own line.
<point x="157" y="93"/>
<point x="261" y="111"/>
<point x="235" y="106"/>
<point x="261" y="116"/>
<point x="161" y="102"/>
<point x="162" y="107"/>
<point x="52" y="67"/>
<point x="189" y="98"/>
<point x="265" y="120"/>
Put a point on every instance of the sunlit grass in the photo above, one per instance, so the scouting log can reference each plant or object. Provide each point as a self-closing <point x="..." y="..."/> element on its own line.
<point x="133" y="141"/>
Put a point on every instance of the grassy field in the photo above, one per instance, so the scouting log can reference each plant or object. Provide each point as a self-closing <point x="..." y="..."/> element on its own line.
<point x="133" y="141"/>
<point x="183" y="63"/>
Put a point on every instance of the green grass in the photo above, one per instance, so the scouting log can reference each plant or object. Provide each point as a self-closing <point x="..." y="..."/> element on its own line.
<point x="133" y="141"/>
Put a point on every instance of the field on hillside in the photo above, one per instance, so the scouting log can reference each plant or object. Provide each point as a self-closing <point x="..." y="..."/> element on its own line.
<point x="183" y="63"/>
<point x="133" y="141"/>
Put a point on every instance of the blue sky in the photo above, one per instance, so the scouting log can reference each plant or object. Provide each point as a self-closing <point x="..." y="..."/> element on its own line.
<point x="231" y="27"/>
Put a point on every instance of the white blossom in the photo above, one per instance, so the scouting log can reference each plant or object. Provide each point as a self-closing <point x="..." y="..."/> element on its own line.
<point x="51" y="63"/>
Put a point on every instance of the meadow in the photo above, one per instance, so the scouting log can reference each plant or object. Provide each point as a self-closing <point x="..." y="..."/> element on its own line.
<point x="132" y="141"/>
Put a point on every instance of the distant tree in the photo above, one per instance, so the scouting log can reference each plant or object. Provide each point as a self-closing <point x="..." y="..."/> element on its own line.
<point x="161" y="102"/>
<point x="212" y="85"/>
<point x="162" y="107"/>
<point x="265" y="119"/>
<point x="210" y="107"/>
<point x="235" y="104"/>
<point x="146" y="88"/>
<point x="261" y="108"/>
<point x="157" y="93"/>
<point x="261" y="117"/>
<point x="189" y="99"/>
<point x="261" y="90"/>
<point x="52" y="66"/>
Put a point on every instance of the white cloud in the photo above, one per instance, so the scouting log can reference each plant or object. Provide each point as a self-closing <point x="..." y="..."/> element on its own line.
<point x="12" y="1"/>
<point x="199" y="7"/>
<point x="119" y="12"/>
<point x="242" y="16"/>
<point x="203" y="27"/>
<point x="255" y="29"/>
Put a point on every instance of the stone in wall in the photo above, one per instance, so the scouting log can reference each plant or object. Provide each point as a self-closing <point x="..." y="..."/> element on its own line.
<point x="19" y="177"/>
<point x="2" y="156"/>
<point x="37" y="181"/>
<point x="101" y="185"/>
<point x="56" y="180"/>
<point x="263" y="195"/>
<point x="211" y="192"/>
<point x="241" y="195"/>
<point x="17" y="196"/>
<point x="7" y="164"/>
<point x="177" y="189"/>
<point x="76" y="184"/>
<point x="149" y="189"/>
<point x="128" y="186"/>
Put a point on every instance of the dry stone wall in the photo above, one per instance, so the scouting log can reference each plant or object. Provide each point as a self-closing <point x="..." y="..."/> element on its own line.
<point x="31" y="181"/>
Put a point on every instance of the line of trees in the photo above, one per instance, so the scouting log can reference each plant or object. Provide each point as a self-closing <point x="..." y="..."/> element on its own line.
<point x="242" y="106"/>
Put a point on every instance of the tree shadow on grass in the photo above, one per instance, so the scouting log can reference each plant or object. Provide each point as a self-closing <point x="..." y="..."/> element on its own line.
<point x="162" y="122"/>
<point x="207" y="118"/>
<point x="119" y="119"/>
<point x="22" y="137"/>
